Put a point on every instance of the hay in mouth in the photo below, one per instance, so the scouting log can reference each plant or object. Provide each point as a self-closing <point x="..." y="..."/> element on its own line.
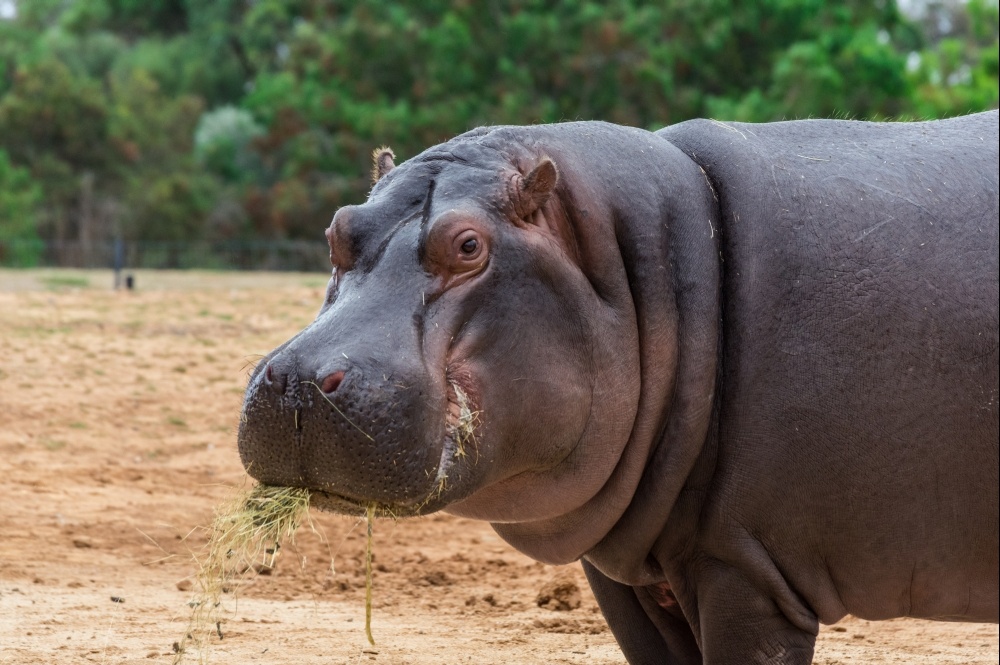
<point x="245" y="538"/>
<point x="463" y="429"/>
<point x="248" y="531"/>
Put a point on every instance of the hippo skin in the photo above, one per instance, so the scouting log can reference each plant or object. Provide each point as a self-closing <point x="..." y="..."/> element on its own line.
<point x="747" y="373"/>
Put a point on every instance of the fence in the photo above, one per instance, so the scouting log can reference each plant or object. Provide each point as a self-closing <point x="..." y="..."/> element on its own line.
<point x="298" y="255"/>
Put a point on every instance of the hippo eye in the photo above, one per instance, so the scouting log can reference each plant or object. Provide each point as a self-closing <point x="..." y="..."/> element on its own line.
<point x="468" y="250"/>
<point x="457" y="247"/>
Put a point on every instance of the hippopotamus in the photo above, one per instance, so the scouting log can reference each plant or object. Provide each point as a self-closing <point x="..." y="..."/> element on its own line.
<point x="746" y="373"/>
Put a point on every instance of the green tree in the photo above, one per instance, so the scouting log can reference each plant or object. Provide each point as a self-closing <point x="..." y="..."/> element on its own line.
<point x="957" y="70"/>
<point x="20" y="245"/>
<point x="204" y="120"/>
<point x="56" y="125"/>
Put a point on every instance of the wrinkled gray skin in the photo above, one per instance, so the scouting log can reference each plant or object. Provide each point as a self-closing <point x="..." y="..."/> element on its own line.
<point x="749" y="373"/>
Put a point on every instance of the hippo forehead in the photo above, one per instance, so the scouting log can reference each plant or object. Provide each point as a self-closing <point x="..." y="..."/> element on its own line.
<point x="468" y="171"/>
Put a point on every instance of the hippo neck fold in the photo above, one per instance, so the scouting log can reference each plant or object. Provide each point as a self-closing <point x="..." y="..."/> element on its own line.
<point x="667" y="240"/>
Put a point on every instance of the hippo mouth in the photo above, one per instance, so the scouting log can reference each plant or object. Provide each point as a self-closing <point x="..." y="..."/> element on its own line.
<point x="462" y="419"/>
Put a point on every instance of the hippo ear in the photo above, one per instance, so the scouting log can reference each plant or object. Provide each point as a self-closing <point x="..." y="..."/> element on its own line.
<point x="382" y="162"/>
<point x="537" y="186"/>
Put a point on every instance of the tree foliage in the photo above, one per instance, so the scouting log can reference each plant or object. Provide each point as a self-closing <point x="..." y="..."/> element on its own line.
<point x="19" y="198"/>
<point x="221" y="119"/>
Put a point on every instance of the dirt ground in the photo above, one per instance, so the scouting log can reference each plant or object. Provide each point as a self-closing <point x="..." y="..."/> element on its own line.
<point x="117" y="439"/>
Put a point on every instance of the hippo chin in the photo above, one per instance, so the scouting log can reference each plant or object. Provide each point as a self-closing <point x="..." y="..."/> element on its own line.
<point x="747" y="373"/>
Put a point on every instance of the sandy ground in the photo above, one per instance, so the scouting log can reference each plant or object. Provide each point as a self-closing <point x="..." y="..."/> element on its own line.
<point x="117" y="439"/>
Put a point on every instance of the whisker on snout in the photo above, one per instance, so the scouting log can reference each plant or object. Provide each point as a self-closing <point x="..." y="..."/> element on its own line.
<point x="250" y="362"/>
<point x="330" y="402"/>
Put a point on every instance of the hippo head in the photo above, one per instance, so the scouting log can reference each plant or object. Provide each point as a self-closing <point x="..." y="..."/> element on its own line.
<point x="476" y="350"/>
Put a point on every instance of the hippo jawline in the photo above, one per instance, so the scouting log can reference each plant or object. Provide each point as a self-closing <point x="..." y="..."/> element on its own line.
<point x="461" y="424"/>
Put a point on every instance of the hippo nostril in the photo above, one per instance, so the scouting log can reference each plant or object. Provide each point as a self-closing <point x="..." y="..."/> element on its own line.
<point x="332" y="382"/>
<point x="276" y="381"/>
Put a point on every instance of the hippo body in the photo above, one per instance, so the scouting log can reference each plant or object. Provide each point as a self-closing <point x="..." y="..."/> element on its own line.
<point x="747" y="373"/>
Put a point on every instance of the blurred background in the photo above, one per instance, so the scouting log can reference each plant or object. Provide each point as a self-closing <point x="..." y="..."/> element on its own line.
<point x="225" y="133"/>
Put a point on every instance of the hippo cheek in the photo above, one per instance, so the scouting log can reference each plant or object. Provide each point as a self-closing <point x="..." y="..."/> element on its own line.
<point x="373" y="439"/>
<point x="531" y="411"/>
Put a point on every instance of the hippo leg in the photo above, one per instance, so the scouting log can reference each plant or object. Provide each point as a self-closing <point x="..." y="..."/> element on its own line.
<point x="741" y="625"/>
<point x="646" y="632"/>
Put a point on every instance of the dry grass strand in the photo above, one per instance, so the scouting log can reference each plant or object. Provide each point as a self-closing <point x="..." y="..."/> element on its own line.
<point x="246" y="537"/>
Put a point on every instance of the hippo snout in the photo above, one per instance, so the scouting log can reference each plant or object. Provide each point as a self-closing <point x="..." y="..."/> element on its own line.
<point x="360" y="430"/>
<point x="276" y="373"/>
